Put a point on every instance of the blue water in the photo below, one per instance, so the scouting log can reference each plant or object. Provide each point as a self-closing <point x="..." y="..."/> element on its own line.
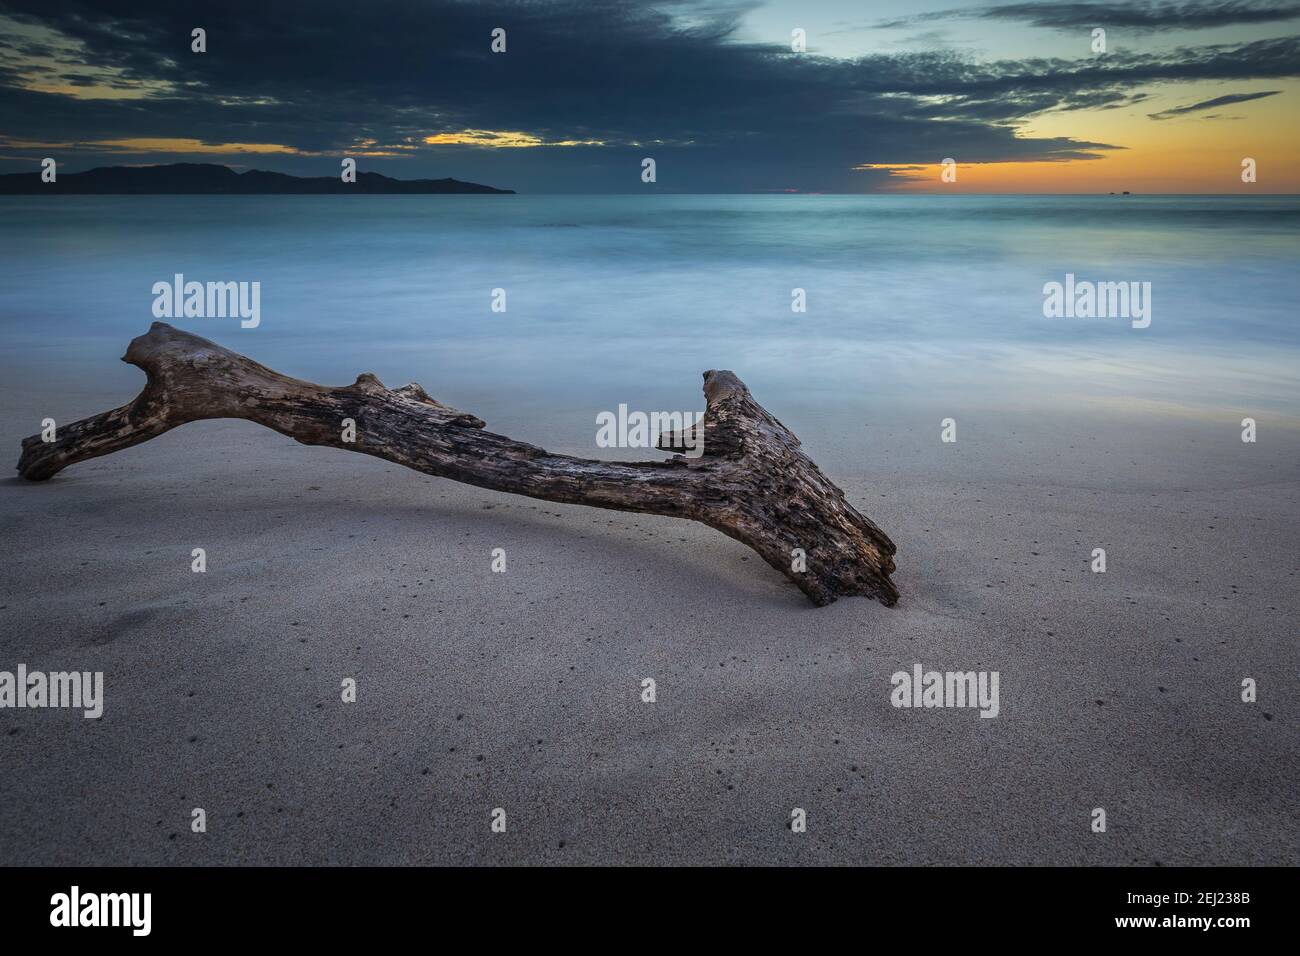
<point x="907" y="295"/>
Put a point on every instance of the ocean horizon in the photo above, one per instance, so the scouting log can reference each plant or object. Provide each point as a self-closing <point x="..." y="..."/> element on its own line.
<point x="907" y="298"/>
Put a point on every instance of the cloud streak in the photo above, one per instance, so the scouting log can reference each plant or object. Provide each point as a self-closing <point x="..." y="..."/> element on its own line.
<point x="1133" y="15"/>
<point x="1210" y="104"/>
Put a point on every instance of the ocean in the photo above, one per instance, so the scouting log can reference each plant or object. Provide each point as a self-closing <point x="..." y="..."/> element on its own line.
<point x="908" y="299"/>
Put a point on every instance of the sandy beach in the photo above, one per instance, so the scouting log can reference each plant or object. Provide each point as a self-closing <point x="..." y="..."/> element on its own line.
<point x="522" y="690"/>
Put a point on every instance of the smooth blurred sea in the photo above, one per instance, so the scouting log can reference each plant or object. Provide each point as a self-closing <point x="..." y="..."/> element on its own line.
<point x="626" y="298"/>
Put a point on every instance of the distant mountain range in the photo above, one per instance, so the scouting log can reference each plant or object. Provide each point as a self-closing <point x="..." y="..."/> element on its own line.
<point x="210" y="179"/>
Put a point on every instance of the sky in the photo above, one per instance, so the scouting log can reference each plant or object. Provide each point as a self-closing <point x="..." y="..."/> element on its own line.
<point x="1025" y="97"/>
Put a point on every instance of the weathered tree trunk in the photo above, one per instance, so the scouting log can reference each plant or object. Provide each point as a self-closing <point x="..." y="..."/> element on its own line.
<point x="752" y="482"/>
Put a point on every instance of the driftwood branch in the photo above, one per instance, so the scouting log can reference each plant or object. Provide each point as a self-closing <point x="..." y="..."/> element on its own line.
<point x="752" y="482"/>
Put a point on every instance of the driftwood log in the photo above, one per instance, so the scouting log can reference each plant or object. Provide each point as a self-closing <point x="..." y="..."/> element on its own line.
<point x="752" y="482"/>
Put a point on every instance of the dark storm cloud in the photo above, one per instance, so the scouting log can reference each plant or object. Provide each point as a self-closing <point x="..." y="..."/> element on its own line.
<point x="323" y="77"/>
<point x="1227" y="100"/>
<point x="1188" y="15"/>
<point x="945" y="74"/>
